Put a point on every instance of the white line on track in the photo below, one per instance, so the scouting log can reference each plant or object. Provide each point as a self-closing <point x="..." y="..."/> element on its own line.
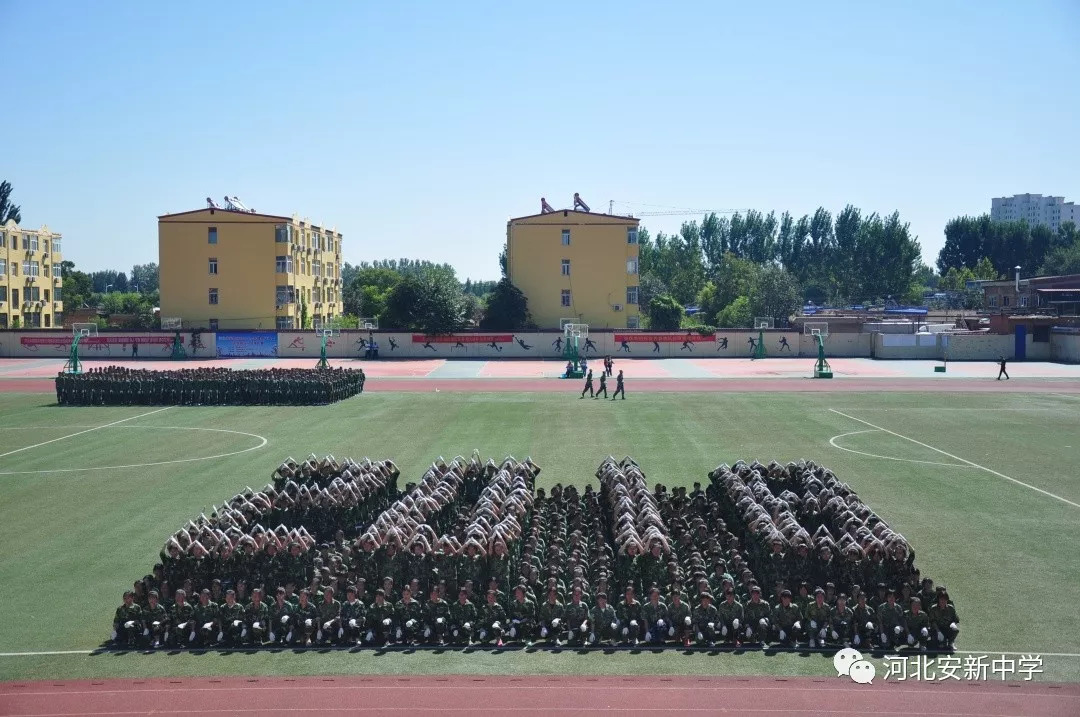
<point x="958" y="458"/>
<point x="88" y="430"/>
<point x="834" y="444"/>
<point x="263" y="440"/>
<point x="472" y="709"/>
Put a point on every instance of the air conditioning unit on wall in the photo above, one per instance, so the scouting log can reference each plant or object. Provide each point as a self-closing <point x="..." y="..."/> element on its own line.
<point x="616" y="307"/>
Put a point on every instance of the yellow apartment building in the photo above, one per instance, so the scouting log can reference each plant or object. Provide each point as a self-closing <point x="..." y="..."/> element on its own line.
<point x="576" y="266"/>
<point x="229" y="269"/>
<point x="30" y="278"/>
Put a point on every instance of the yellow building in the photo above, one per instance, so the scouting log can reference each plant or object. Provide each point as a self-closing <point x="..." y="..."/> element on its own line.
<point x="228" y="269"/>
<point x="29" y="278"/>
<point x="576" y="266"/>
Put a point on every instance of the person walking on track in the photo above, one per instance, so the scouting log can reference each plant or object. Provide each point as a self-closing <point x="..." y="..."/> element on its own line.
<point x="1001" y="369"/>
<point x="619" y="388"/>
<point x="603" y="385"/>
<point x="588" y="386"/>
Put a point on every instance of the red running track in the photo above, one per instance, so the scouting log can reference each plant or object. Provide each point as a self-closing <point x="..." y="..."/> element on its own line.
<point x="663" y="385"/>
<point x="470" y="696"/>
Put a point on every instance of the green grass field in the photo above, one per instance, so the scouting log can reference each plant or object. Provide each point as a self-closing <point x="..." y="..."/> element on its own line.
<point x="73" y="541"/>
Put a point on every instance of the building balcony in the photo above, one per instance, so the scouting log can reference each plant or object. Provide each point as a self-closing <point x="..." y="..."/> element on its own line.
<point x="58" y="305"/>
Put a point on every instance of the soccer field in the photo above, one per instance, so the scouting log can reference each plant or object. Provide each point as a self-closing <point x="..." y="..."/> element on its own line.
<point x="983" y="486"/>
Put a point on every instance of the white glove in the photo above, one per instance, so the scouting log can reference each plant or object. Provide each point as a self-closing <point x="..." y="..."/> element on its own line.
<point x="352" y="623"/>
<point x="114" y="634"/>
<point x="129" y="624"/>
<point x="910" y="640"/>
<point x="763" y="622"/>
<point x="513" y="631"/>
<point x="797" y="625"/>
<point x="427" y="632"/>
<point x="236" y="623"/>
<point x="626" y="631"/>
<point x="220" y="636"/>
<point x="749" y="632"/>
<point x="256" y="625"/>
<point x="723" y="630"/>
<point x="671" y="631"/>
<point x="146" y="631"/>
<point x="308" y="623"/>
<point x="543" y="632"/>
<point x="288" y="636"/>
<point x="191" y="637"/>
<point x="318" y="635"/>
<point x="735" y="623"/>
<point x="660" y="624"/>
<point x="440" y="620"/>
<point x="953" y="627"/>
<point x="686" y="621"/>
<point x="857" y="641"/>
<point x="940" y="637"/>
<point x="821" y="634"/>
<point x="516" y="621"/>
<point x="884" y="639"/>
<point x="284" y="619"/>
<point x="340" y="632"/>
<point x="924" y="632"/>
<point x="700" y="637"/>
<point x="813" y="624"/>
<point x="243" y="633"/>
<point x="273" y="637"/>
<point x="467" y="626"/>
<point x="496" y="625"/>
<point x="869" y="626"/>
<point x="633" y="623"/>
<point x="326" y="625"/>
<point x="455" y="632"/>
<point x="411" y="623"/>
<point x="783" y="635"/>
<point x="397" y="634"/>
<point x="156" y="624"/>
<point x="386" y="622"/>
<point x="182" y="627"/>
<point x="592" y="638"/>
<point x="897" y="630"/>
<point x="712" y="625"/>
<point x="835" y="636"/>
<point x="614" y="626"/>
<point x="369" y="636"/>
<point x="555" y="623"/>
<point x="483" y="634"/>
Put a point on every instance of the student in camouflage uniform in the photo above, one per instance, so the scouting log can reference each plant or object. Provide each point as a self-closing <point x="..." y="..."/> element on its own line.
<point x="380" y="620"/>
<point x="917" y="625"/>
<point x="865" y="620"/>
<point x="841" y="622"/>
<point x="817" y="619"/>
<point x="182" y="620"/>
<point x="231" y="615"/>
<point x="730" y="613"/>
<point x="654" y="613"/>
<point x="943" y="620"/>
<point x="281" y="618"/>
<point x="705" y="619"/>
<point x="330" y="629"/>
<point x="492" y="619"/>
<point x="758" y="614"/>
<point x="576" y="613"/>
<point x="679" y="614"/>
<point x="127" y="622"/>
<point x="207" y="620"/>
<point x="522" y="616"/>
<point x="256" y="618"/>
<point x="156" y="620"/>
<point x="787" y="620"/>
<point x="409" y="618"/>
<point x="436" y="618"/>
<point x="306" y="616"/>
<point x="890" y="621"/>
<point x="550" y="617"/>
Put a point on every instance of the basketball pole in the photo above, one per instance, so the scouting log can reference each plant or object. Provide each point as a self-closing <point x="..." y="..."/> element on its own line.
<point x="74" y="365"/>
<point x="323" y="363"/>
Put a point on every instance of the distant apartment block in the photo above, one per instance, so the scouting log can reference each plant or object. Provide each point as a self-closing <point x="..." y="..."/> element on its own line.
<point x="30" y="280"/>
<point x="1034" y="209"/>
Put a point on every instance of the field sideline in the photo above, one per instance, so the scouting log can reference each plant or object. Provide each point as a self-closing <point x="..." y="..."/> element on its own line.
<point x="982" y="485"/>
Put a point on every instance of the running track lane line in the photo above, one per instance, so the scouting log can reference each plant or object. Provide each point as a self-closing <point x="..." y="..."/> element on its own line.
<point x="957" y="458"/>
<point x="106" y="651"/>
<point x="90" y="430"/>
<point x="382" y="709"/>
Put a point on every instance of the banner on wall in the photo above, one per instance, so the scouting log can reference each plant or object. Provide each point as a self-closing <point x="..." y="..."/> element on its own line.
<point x="692" y="337"/>
<point x="463" y="339"/>
<point x="63" y="343"/>
<point x="247" y="344"/>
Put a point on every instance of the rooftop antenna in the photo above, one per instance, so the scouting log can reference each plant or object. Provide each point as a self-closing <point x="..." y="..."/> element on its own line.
<point x="545" y="208"/>
<point x="210" y="203"/>
<point x="580" y="203"/>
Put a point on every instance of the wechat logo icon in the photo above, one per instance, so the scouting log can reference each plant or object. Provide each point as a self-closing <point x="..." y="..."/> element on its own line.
<point x="850" y="662"/>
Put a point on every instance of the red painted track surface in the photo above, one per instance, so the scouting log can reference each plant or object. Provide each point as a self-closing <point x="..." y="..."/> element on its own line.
<point x="659" y="385"/>
<point x="468" y="696"/>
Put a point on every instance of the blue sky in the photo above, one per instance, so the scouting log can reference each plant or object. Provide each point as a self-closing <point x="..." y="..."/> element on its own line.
<point x="419" y="128"/>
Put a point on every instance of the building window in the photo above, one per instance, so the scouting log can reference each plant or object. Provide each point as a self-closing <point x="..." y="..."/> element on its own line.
<point x="46" y="299"/>
<point x="47" y="318"/>
<point x="632" y="322"/>
<point x="213" y="296"/>
<point x="1004" y="301"/>
<point x="993" y="301"/>
<point x="284" y="322"/>
<point x="566" y="237"/>
<point x="283" y="264"/>
<point x="566" y="267"/>
<point x="3" y="266"/>
<point x="282" y="233"/>
<point x="56" y="246"/>
<point x="46" y="269"/>
<point x="14" y="268"/>
<point x="213" y="266"/>
<point x="33" y="242"/>
<point x="3" y="240"/>
<point x="631" y="266"/>
<point x="213" y="324"/>
<point x="565" y="297"/>
<point x="26" y="267"/>
<point x="1023" y="301"/>
<point x="57" y="294"/>
<point x="211" y="235"/>
<point x="631" y="235"/>
<point x="631" y="294"/>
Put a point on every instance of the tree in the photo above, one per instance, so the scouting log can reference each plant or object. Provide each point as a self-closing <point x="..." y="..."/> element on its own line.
<point x="430" y="301"/>
<point x="145" y="276"/>
<point x="774" y="292"/>
<point x="736" y="315"/>
<point x="665" y="313"/>
<point x="305" y="319"/>
<point x="8" y="211"/>
<point x="1062" y="260"/>
<point x="77" y="287"/>
<point x="504" y="262"/>
<point x="506" y="309"/>
<point x="365" y="294"/>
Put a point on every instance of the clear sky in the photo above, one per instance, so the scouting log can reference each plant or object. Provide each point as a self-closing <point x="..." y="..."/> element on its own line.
<point x="418" y="128"/>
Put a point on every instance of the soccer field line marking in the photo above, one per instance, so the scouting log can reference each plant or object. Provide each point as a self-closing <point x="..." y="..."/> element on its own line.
<point x="79" y="433"/>
<point x="834" y="444"/>
<point x="263" y="439"/>
<point x="962" y="460"/>
<point x="472" y="709"/>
